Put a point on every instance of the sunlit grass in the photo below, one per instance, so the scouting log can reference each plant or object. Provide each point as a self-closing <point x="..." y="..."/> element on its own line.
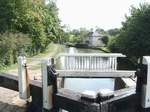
<point x="52" y="50"/>
<point x="7" y="68"/>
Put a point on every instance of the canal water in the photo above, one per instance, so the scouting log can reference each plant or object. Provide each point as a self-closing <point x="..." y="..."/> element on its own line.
<point x="81" y="84"/>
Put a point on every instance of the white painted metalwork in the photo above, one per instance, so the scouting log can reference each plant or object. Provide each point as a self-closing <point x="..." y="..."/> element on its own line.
<point x="90" y="61"/>
<point x="146" y="87"/>
<point x="95" y="74"/>
<point x="91" y="65"/>
<point x="93" y="54"/>
<point x="23" y="79"/>
<point x="47" y="89"/>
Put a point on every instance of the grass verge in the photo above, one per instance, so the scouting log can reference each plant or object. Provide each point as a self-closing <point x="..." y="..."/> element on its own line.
<point x="52" y="50"/>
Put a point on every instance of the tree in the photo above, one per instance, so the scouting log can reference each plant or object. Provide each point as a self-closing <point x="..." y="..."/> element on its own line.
<point x="134" y="37"/>
<point x="113" y="32"/>
<point x="83" y="33"/>
<point x="30" y="21"/>
<point x="11" y="45"/>
<point x="100" y="31"/>
<point x="76" y="35"/>
<point x="105" y="39"/>
<point x="32" y="17"/>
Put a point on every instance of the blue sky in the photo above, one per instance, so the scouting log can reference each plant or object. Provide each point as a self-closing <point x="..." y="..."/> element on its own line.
<point x="105" y="14"/>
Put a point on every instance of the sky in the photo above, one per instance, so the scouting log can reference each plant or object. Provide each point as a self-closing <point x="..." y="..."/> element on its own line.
<point x="106" y="14"/>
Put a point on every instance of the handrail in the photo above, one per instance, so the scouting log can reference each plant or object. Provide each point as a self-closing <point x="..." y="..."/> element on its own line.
<point x="93" y="54"/>
<point x="89" y="61"/>
<point x="95" y="74"/>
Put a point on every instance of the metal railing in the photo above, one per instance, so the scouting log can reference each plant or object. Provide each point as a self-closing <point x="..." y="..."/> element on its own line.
<point x="89" y="61"/>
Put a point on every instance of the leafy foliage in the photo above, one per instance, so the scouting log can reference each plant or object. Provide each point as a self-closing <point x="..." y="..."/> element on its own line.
<point x="76" y="35"/>
<point x="134" y="37"/>
<point x="113" y="32"/>
<point x="11" y="45"/>
<point x="105" y="39"/>
<point x="34" y="18"/>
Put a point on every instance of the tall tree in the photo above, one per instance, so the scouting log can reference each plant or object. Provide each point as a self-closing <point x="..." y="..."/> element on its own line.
<point x="24" y="19"/>
<point x="134" y="37"/>
<point x="32" y="17"/>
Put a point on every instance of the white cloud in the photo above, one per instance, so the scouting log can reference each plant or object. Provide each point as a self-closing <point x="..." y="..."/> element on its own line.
<point x="90" y="13"/>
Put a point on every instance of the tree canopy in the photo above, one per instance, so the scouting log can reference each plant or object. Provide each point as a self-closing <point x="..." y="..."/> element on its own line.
<point x="33" y="19"/>
<point x="76" y="35"/>
<point x="134" y="37"/>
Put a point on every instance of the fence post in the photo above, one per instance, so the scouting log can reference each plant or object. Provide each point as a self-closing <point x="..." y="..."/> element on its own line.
<point x="23" y="79"/>
<point x="47" y="89"/>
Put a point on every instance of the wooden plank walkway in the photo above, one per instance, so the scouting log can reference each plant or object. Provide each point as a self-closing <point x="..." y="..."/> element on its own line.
<point x="10" y="102"/>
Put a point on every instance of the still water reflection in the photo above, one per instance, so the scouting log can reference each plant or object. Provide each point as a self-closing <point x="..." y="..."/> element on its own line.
<point x="81" y="84"/>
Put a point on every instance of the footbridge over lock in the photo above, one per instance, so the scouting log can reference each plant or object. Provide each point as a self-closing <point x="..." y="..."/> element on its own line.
<point x="91" y="65"/>
<point x="48" y="94"/>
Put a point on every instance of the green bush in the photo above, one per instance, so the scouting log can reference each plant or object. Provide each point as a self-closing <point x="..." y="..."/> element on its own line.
<point x="11" y="46"/>
<point x="33" y="17"/>
<point x="26" y="25"/>
<point x="134" y="37"/>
